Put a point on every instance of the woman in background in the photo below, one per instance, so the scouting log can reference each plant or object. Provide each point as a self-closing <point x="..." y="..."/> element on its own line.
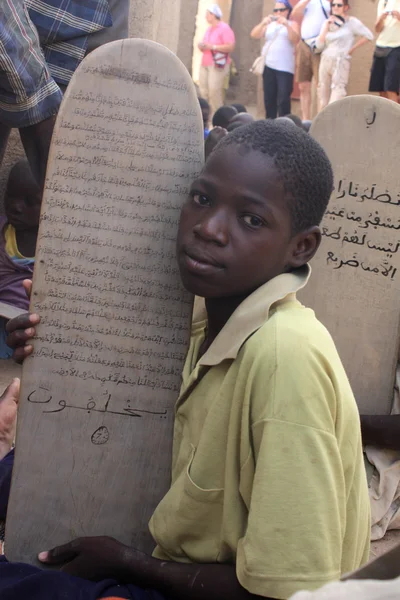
<point x="337" y="42"/>
<point x="282" y="36"/>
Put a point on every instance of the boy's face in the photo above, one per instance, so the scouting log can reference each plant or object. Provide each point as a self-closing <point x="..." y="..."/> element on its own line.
<point x="235" y="227"/>
<point x="22" y="205"/>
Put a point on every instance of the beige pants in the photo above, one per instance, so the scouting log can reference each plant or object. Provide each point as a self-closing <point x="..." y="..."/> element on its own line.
<point x="333" y="79"/>
<point x="211" y="84"/>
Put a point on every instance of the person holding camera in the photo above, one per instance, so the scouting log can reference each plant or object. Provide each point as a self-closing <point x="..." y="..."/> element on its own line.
<point x="281" y="36"/>
<point x="385" y="72"/>
<point x="217" y="45"/>
<point x="337" y="41"/>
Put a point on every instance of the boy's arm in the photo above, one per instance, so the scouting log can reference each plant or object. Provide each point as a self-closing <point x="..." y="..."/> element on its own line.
<point x="382" y="431"/>
<point x="101" y="557"/>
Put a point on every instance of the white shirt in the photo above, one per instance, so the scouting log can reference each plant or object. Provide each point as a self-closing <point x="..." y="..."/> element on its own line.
<point x="339" y="41"/>
<point x="314" y="18"/>
<point x="278" y="50"/>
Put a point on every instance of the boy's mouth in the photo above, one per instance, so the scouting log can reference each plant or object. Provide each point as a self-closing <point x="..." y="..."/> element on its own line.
<point x="200" y="263"/>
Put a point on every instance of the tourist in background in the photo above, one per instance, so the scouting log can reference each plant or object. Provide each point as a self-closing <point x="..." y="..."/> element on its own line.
<point x="281" y="36"/>
<point x="314" y="13"/>
<point x="217" y="45"/>
<point x="337" y="41"/>
<point x="385" y="73"/>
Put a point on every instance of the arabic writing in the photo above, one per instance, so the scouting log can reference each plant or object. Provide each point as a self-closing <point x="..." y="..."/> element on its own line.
<point x="360" y="235"/>
<point x="114" y="316"/>
<point x="362" y="194"/>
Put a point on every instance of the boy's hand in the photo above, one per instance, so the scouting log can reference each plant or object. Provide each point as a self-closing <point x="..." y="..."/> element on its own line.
<point x="21" y="330"/>
<point x="93" y="558"/>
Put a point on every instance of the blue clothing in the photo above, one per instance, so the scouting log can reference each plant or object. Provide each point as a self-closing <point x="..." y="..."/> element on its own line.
<point x="40" y="48"/>
<point x="6" y="467"/>
<point x="63" y="27"/>
<point x="28" y="94"/>
<point x="25" y="582"/>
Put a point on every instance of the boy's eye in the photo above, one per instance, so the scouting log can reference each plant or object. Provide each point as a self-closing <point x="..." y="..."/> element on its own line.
<point x="253" y="221"/>
<point x="201" y="200"/>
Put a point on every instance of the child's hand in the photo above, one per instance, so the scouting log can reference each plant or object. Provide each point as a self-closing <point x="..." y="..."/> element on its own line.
<point x="93" y="558"/>
<point x="20" y="332"/>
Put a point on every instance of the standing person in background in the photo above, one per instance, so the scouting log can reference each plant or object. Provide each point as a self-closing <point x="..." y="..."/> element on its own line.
<point x="217" y="45"/>
<point x="281" y="36"/>
<point x="41" y="45"/>
<point x="337" y="43"/>
<point x="314" y="13"/>
<point x="385" y="73"/>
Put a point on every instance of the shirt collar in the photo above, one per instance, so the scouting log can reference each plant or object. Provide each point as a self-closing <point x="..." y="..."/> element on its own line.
<point x="250" y="315"/>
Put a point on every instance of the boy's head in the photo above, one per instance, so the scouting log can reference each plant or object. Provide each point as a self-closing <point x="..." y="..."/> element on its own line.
<point x="223" y="115"/>
<point x="239" y="107"/>
<point x="205" y="111"/>
<point x="22" y="199"/>
<point x="253" y="213"/>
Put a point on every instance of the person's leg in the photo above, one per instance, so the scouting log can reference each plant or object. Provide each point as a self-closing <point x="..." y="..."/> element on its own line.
<point x="36" y="140"/>
<point x="19" y="581"/>
<point x="216" y="83"/>
<point x="285" y="89"/>
<point x="203" y="83"/>
<point x="340" y="79"/>
<point x="377" y="77"/>
<point x="270" y="93"/>
<point x="304" y="76"/>
<point x="324" y="83"/>
<point x="393" y="96"/>
<point x="392" y="75"/>
<point x="4" y="134"/>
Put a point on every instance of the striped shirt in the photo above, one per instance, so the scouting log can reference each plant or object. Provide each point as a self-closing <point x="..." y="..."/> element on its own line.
<point x="40" y="47"/>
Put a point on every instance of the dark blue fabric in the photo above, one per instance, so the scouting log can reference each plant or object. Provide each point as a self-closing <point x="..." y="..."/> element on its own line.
<point x="63" y="27"/>
<point x="6" y="466"/>
<point x="25" y="582"/>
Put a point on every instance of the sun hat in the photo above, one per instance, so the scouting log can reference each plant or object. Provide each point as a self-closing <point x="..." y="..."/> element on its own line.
<point x="215" y="10"/>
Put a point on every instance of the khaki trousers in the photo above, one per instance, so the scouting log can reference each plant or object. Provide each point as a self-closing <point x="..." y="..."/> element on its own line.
<point x="212" y="84"/>
<point x="333" y="79"/>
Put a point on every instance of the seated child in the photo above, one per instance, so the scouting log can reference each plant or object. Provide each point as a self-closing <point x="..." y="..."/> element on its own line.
<point x="205" y="111"/>
<point x="18" y="233"/>
<point x="268" y="492"/>
<point x="381" y="437"/>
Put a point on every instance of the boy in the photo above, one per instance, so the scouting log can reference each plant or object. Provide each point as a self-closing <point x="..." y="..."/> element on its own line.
<point x="268" y="491"/>
<point x="18" y="234"/>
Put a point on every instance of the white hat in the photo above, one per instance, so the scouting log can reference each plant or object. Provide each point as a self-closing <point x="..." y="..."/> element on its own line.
<point x="215" y="10"/>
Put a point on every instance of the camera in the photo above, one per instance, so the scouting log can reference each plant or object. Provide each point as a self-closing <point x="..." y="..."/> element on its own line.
<point x="274" y="18"/>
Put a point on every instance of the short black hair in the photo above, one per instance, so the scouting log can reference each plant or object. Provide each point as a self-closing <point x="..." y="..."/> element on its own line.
<point x="223" y="115"/>
<point x="296" y="120"/>
<point x="239" y="107"/>
<point x="302" y="163"/>
<point x="203" y="103"/>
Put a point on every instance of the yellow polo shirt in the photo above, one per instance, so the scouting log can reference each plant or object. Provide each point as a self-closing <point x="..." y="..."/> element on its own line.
<point x="390" y="34"/>
<point x="267" y="468"/>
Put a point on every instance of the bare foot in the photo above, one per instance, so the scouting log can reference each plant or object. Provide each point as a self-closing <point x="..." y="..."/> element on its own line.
<point x="8" y="416"/>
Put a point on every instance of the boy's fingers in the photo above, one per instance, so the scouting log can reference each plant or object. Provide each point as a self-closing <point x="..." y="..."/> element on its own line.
<point x="27" y="283"/>
<point x="20" y="354"/>
<point x="24" y="321"/>
<point x="58" y="555"/>
<point x="16" y="339"/>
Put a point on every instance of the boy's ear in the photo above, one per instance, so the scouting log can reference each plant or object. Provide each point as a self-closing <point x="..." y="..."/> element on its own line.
<point x="304" y="245"/>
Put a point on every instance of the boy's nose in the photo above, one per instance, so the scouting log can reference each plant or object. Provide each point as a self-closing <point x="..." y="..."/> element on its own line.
<point x="213" y="228"/>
